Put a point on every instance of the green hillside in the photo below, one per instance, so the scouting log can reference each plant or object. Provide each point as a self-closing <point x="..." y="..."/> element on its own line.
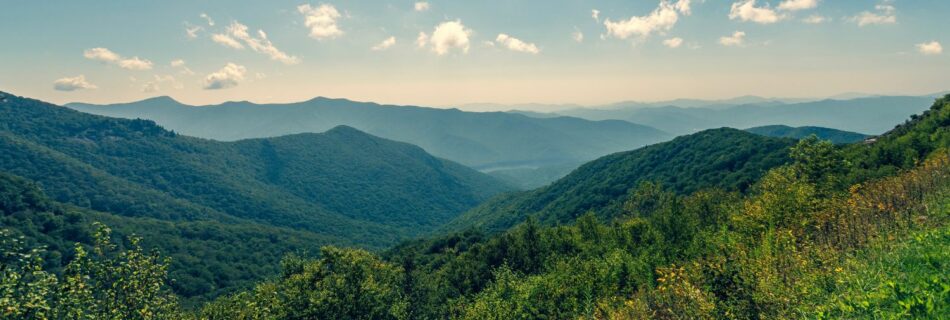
<point x="833" y="135"/>
<point x="487" y="141"/>
<point x="340" y="187"/>
<point x="798" y="243"/>
<point x="726" y="158"/>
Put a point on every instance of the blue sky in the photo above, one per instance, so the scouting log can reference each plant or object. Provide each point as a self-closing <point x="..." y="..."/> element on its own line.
<point x="472" y="51"/>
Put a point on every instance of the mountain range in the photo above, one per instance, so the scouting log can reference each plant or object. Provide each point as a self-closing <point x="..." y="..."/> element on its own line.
<point x="871" y="115"/>
<point x="487" y="141"/>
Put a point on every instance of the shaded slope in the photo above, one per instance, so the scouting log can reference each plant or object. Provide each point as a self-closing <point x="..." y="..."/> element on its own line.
<point x="135" y="168"/>
<point x="727" y="158"/>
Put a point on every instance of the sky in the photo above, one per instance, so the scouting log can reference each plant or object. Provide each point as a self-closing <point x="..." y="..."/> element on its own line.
<point x="449" y="53"/>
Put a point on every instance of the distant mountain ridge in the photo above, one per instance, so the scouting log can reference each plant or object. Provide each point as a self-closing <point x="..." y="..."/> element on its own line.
<point x="860" y="113"/>
<point x="480" y="140"/>
<point x="834" y="135"/>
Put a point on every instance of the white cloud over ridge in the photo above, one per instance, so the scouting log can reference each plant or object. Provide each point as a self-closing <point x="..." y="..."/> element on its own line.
<point x="675" y="42"/>
<point x="447" y="36"/>
<point x="107" y="56"/>
<point x="260" y="43"/>
<point x="737" y="39"/>
<point x="662" y="19"/>
<point x="72" y="84"/>
<point x="228" y="77"/>
<point x="421" y="6"/>
<point x="321" y="20"/>
<point x="515" y="44"/>
<point x="796" y="5"/>
<point x="385" y="44"/>
<point x="883" y="14"/>
<point x="816" y="19"/>
<point x="931" y="48"/>
<point x="745" y="10"/>
<point x="226" y="40"/>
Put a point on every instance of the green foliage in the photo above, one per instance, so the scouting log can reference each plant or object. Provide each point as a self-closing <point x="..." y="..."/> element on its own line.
<point x="720" y="158"/>
<point x="342" y="284"/>
<point x="833" y="135"/>
<point x="224" y="211"/>
<point x="105" y="284"/>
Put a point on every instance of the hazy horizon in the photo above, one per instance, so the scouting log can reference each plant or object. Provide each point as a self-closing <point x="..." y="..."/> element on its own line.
<point x="434" y="53"/>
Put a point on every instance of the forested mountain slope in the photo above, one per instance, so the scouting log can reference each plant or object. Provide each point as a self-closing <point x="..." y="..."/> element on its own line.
<point x="209" y="257"/>
<point x="341" y="187"/>
<point x="726" y="158"/>
<point x="833" y="135"/>
<point x="485" y="141"/>
<point x="812" y="238"/>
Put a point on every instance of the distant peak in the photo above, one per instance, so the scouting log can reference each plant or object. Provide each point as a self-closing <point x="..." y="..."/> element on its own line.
<point x="345" y="129"/>
<point x="161" y="99"/>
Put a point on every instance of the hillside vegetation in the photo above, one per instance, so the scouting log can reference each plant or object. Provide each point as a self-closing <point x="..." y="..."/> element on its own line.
<point x="725" y="158"/>
<point x="833" y="135"/>
<point x="833" y="233"/>
<point x="340" y="187"/>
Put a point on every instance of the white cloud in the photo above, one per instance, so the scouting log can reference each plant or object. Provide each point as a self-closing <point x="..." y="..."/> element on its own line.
<point x="745" y="10"/>
<point x="321" y="20"/>
<point x="816" y="19"/>
<point x="683" y="7"/>
<point x="884" y="14"/>
<point x="796" y="5"/>
<point x="155" y="85"/>
<point x="594" y="13"/>
<point x="421" y="6"/>
<point x="515" y="44"/>
<point x="662" y="19"/>
<point x="930" y="48"/>
<point x="207" y="19"/>
<point x="736" y="39"/>
<point x="259" y="44"/>
<point x="179" y="63"/>
<point x="150" y="87"/>
<point x="389" y="42"/>
<point x="192" y="31"/>
<point x="107" y="56"/>
<point x="72" y="84"/>
<point x="673" y="42"/>
<point x="578" y="36"/>
<point x="227" y="77"/>
<point x="422" y="40"/>
<point x="226" y="40"/>
<point x="447" y="36"/>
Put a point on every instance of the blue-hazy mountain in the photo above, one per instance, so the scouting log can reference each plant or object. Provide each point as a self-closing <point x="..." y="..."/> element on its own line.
<point x="870" y="115"/>
<point x="488" y="141"/>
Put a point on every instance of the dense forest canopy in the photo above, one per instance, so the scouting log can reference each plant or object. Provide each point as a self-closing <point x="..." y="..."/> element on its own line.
<point x="281" y="195"/>
<point x="726" y="158"/>
<point x="833" y="135"/>
<point x="856" y="231"/>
